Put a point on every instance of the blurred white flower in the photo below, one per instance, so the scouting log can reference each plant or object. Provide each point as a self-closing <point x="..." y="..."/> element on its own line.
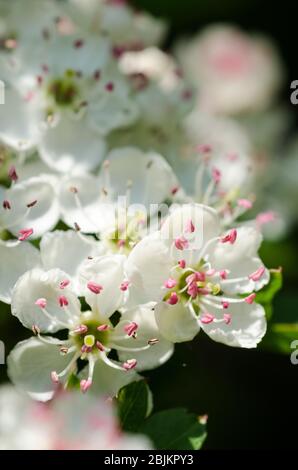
<point x="127" y="28"/>
<point x="67" y="423"/>
<point x="27" y="21"/>
<point x="29" y="205"/>
<point x="140" y="179"/>
<point x="235" y="72"/>
<point x="279" y="195"/>
<point x="69" y="94"/>
<point x="216" y="143"/>
<point x="162" y="94"/>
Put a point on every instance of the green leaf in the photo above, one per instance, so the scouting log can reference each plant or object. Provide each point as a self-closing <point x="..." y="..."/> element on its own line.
<point x="283" y="326"/>
<point x="280" y="337"/>
<point x="73" y="383"/>
<point x="266" y="295"/>
<point x="282" y="253"/>
<point x="175" y="429"/>
<point x="134" y="405"/>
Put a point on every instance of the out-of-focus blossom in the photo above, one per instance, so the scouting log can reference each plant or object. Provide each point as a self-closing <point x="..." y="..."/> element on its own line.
<point x="235" y="72"/>
<point x="67" y="423"/>
<point x="140" y="179"/>
<point x="26" y="22"/>
<point x="278" y="199"/>
<point x="29" y="204"/>
<point x="164" y="97"/>
<point x="65" y="98"/>
<point x="214" y="161"/>
<point x="128" y="29"/>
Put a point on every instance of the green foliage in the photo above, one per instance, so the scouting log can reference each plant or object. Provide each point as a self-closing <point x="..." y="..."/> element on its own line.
<point x="266" y="295"/>
<point x="134" y="403"/>
<point x="73" y="383"/>
<point x="283" y="327"/>
<point x="170" y="429"/>
<point x="280" y="336"/>
<point x="175" y="429"/>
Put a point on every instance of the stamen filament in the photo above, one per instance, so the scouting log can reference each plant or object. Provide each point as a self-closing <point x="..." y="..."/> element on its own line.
<point x="123" y="348"/>
<point x="69" y="365"/>
<point x="55" y="319"/>
<point x="109" y="363"/>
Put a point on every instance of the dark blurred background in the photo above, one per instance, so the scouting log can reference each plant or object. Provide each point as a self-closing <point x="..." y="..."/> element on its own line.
<point x="249" y="395"/>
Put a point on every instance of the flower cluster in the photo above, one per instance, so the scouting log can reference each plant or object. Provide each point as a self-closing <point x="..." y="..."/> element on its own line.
<point x="122" y="310"/>
<point x="106" y="255"/>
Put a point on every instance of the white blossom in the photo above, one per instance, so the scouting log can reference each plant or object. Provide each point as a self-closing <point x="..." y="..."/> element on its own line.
<point x="201" y="278"/>
<point x="67" y="423"/>
<point x="45" y="302"/>
<point x="235" y="72"/>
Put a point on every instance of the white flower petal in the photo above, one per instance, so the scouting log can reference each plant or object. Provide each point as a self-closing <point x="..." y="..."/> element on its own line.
<point x="246" y="329"/>
<point x="108" y="380"/>
<point x="148" y="267"/>
<point x="176" y="322"/>
<point x="240" y="260"/>
<point x="16" y="259"/>
<point x="204" y="219"/>
<point x="37" y="284"/>
<point x="67" y="250"/>
<point x="43" y="216"/>
<point x="84" y="207"/>
<point x="30" y="365"/>
<point x="111" y="111"/>
<point x="134" y="443"/>
<point x="71" y="146"/>
<point x="151" y="176"/>
<point x="153" y="357"/>
<point x="19" y="121"/>
<point x="108" y="272"/>
<point x="238" y="281"/>
<point x="32" y="166"/>
<point x="247" y="244"/>
<point x="156" y="108"/>
<point x="63" y="56"/>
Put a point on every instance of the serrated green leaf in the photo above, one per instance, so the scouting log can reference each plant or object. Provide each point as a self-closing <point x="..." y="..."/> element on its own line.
<point x="175" y="429"/>
<point x="134" y="403"/>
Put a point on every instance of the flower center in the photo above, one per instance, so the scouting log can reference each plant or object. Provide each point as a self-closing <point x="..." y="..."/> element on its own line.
<point x="90" y="335"/>
<point x="127" y="234"/>
<point x="63" y="90"/>
<point x="190" y="284"/>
